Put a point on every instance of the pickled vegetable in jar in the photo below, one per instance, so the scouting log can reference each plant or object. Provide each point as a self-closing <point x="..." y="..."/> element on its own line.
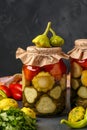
<point x="78" y="63"/>
<point x="43" y="79"/>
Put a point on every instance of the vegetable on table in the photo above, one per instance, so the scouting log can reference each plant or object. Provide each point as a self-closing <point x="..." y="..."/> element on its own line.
<point x="16" y="91"/>
<point x="15" y="119"/>
<point x="28" y="111"/>
<point x="77" y="118"/>
<point x="43" y="81"/>
<point x="6" y="103"/>
<point x="76" y="114"/>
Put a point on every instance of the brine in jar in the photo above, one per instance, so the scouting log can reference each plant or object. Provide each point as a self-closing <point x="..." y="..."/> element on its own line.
<point x="78" y="63"/>
<point x="44" y="88"/>
<point x="44" y="79"/>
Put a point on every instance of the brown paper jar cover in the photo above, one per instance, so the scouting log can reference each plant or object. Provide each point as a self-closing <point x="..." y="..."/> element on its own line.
<point x="80" y="49"/>
<point x="40" y="56"/>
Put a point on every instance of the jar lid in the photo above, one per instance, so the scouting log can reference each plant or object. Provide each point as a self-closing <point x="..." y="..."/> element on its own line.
<point x="80" y="49"/>
<point x="51" y="50"/>
<point x="36" y="56"/>
<point x="81" y="43"/>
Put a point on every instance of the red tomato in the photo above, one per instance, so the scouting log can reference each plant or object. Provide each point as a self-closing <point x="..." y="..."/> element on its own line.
<point x="6" y="90"/>
<point x="56" y="69"/>
<point x="17" y="96"/>
<point x="15" y="87"/>
<point x="30" y="71"/>
<point x="16" y="90"/>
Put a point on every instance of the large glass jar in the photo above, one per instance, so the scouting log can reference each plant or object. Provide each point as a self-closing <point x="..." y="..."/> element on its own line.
<point x="44" y="80"/>
<point x="78" y="62"/>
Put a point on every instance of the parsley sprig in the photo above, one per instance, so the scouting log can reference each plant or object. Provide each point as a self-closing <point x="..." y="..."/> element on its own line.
<point x="15" y="119"/>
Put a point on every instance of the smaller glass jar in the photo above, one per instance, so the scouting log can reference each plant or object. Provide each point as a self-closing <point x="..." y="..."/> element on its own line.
<point x="44" y="80"/>
<point x="78" y="63"/>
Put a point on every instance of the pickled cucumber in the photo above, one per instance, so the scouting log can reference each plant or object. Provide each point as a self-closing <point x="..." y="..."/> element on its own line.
<point x="62" y="82"/>
<point x="81" y="102"/>
<point x="45" y="105"/>
<point x="75" y="83"/>
<point x="56" y="92"/>
<point x="30" y="94"/>
<point x="82" y="92"/>
<point x="43" y="81"/>
<point x="76" y="70"/>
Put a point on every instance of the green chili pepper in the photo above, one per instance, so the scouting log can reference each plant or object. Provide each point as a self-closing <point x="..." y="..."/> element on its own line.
<point x="56" y="40"/>
<point x="43" y="40"/>
<point x="79" y="124"/>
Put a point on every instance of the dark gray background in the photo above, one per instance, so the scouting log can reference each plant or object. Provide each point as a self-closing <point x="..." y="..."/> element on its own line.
<point x="22" y="20"/>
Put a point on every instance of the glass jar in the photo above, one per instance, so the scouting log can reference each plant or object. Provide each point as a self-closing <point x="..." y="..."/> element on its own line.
<point x="44" y="82"/>
<point x="78" y="63"/>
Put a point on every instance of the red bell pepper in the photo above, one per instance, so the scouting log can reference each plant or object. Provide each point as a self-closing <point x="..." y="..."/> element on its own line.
<point x="82" y="63"/>
<point x="30" y="71"/>
<point x="16" y="91"/>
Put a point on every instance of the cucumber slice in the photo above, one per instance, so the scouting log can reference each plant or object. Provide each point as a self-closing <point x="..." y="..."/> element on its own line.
<point x="82" y="92"/>
<point x="75" y="83"/>
<point x="45" y="105"/>
<point x="63" y="81"/>
<point x="43" y="81"/>
<point x="76" y="70"/>
<point x="56" y="92"/>
<point x="30" y="94"/>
